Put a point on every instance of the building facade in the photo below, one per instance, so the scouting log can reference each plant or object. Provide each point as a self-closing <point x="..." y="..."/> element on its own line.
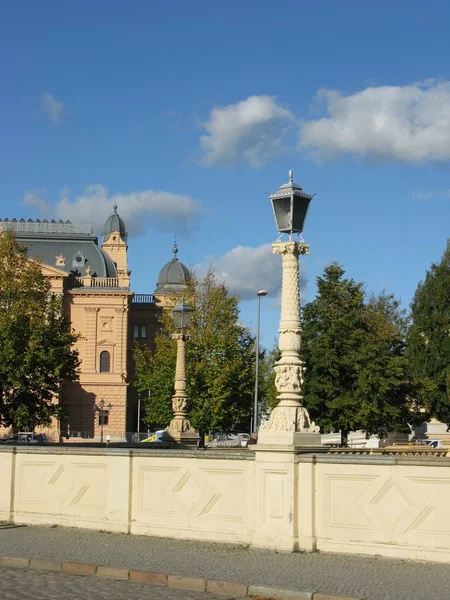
<point x="94" y="282"/>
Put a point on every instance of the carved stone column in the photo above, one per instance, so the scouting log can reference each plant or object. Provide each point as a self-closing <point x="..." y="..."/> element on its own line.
<point x="180" y="429"/>
<point x="289" y="422"/>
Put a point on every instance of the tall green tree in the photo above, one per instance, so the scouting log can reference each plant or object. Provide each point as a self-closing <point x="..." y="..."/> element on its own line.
<point x="381" y="387"/>
<point x="219" y="363"/>
<point x="429" y="338"/>
<point x="354" y="353"/>
<point x="35" y="341"/>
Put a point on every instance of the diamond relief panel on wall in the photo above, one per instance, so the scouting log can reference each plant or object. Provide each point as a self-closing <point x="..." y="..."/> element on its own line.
<point x="187" y="492"/>
<point x="189" y="496"/>
<point x="65" y="487"/>
<point x="387" y="507"/>
<point x="392" y="502"/>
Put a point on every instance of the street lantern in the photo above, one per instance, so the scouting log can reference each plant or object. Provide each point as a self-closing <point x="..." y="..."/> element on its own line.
<point x="182" y="315"/>
<point x="290" y="205"/>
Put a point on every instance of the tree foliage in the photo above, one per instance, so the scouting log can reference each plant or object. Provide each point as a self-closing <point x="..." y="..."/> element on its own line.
<point x="429" y="338"/>
<point x="219" y="363"/>
<point x="354" y="351"/>
<point x="35" y="341"/>
<point x="266" y="384"/>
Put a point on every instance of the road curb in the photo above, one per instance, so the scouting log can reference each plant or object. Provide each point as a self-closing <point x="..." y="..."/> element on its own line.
<point x="224" y="588"/>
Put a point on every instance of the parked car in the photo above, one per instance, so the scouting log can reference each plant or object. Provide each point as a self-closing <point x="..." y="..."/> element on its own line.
<point x="154" y="437"/>
<point x="434" y="444"/>
<point x="27" y="437"/>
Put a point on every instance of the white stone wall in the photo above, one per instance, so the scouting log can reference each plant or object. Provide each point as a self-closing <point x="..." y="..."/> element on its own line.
<point x="388" y="505"/>
<point x="197" y="498"/>
<point x="391" y="508"/>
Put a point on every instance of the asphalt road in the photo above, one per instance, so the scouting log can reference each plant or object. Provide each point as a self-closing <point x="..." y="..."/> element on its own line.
<point x="30" y="584"/>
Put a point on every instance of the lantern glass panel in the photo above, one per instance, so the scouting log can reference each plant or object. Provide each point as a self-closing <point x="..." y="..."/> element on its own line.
<point x="182" y="315"/>
<point x="282" y="211"/>
<point x="299" y="213"/>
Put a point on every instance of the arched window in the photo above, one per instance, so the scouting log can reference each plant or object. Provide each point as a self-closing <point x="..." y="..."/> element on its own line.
<point x="105" y="362"/>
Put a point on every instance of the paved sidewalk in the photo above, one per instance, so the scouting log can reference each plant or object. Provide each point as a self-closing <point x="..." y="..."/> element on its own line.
<point x="371" y="578"/>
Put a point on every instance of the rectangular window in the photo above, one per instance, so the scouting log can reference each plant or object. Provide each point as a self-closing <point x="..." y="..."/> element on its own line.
<point x="140" y="332"/>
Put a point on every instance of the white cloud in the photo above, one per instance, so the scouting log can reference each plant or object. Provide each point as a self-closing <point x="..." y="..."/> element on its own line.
<point x="53" y="108"/>
<point x="246" y="270"/>
<point x="140" y="210"/>
<point x="428" y="195"/>
<point x="251" y="130"/>
<point x="34" y="198"/>
<point x="394" y="123"/>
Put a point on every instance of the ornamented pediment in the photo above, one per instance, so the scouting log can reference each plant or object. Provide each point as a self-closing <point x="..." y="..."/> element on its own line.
<point x="106" y="342"/>
<point x="53" y="272"/>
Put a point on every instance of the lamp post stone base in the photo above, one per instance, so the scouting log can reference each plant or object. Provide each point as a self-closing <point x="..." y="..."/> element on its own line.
<point x="288" y="441"/>
<point x="180" y="438"/>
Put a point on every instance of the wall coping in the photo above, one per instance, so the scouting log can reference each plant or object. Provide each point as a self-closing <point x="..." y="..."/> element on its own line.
<point x="371" y="459"/>
<point x="135" y="452"/>
<point x="235" y="454"/>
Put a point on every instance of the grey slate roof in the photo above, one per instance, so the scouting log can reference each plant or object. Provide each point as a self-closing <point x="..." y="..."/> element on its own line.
<point x="79" y="250"/>
<point x="114" y="223"/>
<point x="173" y="277"/>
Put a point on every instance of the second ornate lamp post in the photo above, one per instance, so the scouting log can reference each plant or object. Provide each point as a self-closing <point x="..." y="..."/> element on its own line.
<point x="180" y="430"/>
<point x="289" y="422"/>
<point x="102" y="412"/>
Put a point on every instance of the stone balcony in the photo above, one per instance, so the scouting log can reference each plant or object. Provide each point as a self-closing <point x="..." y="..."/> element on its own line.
<point x="98" y="282"/>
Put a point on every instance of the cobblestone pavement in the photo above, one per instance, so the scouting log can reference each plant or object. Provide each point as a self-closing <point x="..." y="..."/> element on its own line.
<point x="373" y="578"/>
<point x="28" y="584"/>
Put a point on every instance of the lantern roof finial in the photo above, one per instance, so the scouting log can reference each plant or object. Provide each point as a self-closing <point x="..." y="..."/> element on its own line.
<point x="291" y="176"/>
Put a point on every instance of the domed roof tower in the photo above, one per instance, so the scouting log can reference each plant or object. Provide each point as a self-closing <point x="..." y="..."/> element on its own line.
<point x="174" y="276"/>
<point x="114" y="224"/>
<point x="115" y="245"/>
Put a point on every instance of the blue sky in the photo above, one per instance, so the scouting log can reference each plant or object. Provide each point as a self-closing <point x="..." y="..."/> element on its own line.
<point x="187" y="112"/>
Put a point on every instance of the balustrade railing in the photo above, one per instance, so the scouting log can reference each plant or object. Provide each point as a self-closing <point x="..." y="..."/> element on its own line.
<point x="98" y="282"/>
<point x="142" y="299"/>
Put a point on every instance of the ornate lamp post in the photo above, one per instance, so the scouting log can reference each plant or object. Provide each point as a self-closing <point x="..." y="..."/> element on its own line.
<point x="180" y="429"/>
<point x="289" y="422"/>
<point x="102" y="412"/>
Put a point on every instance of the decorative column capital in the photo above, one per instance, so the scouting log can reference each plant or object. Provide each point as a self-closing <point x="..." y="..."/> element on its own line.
<point x="294" y="248"/>
<point x="180" y="336"/>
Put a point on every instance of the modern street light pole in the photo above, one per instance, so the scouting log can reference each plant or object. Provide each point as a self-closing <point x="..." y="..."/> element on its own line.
<point x="139" y="414"/>
<point x="258" y="325"/>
